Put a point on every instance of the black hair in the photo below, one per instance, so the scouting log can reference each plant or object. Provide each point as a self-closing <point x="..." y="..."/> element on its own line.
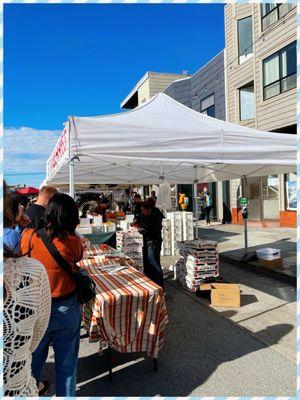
<point x="137" y="196"/>
<point x="104" y="200"/>
<point x="148" y="204"/>
<point x="61" y="216"/>
<point x="24" y="201"/>
<point x="15" y="202"/>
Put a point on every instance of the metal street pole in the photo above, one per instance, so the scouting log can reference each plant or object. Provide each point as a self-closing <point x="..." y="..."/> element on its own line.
<point x="71" y="177"/>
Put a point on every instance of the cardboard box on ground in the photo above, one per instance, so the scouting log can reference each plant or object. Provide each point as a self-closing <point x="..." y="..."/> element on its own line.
<point x="223" y="294"/>
<point x="272" y="264"/>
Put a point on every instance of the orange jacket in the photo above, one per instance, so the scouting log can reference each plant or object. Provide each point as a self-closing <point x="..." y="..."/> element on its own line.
<point x="70" y="248"/>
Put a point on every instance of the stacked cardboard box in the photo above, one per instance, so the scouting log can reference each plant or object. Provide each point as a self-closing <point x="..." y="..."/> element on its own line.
<point x="199" y="259"/>
<point x="181" y="228"/>
<point x="166" y="236"/>
<point x="187" y="226"/>
<point x="130" y="242"/>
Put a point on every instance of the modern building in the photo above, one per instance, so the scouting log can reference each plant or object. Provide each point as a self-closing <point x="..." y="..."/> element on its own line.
<point x="148" y="86"/>
<point x="260" y="88"/>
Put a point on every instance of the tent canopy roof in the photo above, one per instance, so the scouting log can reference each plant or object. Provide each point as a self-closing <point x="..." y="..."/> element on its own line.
<point x="164" y="137"/>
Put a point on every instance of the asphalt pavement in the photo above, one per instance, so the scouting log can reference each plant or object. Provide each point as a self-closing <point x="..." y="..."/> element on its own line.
<point x="205" y="353"/>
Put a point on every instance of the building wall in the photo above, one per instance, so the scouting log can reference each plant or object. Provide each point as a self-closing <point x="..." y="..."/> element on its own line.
<point x="180" y="91"/>
<point x="159" y="82"/>
<point x="278" y="111"/>
<point x="274" y="113"/>
<point x="210" y="80"/>
<point x="144" y="92"/>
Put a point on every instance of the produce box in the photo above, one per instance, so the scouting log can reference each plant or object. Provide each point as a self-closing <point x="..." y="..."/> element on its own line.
<point x="225" y="295"/>
<point x="272" y="264"/>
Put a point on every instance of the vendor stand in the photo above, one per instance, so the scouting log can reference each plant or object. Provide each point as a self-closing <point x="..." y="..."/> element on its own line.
<point x="128" y="313"/>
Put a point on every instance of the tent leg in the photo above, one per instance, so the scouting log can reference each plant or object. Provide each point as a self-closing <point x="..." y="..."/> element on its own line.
<point x="195" y="210"/>
<point x="71" y="177"/>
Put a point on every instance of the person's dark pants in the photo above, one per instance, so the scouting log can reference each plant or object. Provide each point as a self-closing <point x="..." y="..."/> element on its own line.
<point x="207" y="214"/>
<point x="64" y="333"/>
<point x="152" y="267"/>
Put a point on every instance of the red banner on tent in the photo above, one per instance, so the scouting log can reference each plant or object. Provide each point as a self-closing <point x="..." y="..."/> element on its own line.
<point x="59" y="150"/>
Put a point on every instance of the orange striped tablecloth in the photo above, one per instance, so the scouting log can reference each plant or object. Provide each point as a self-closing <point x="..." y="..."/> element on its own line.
<point x="101" y="262"/>
<point x="128" y="313"/>
<point x="95" y="250"/>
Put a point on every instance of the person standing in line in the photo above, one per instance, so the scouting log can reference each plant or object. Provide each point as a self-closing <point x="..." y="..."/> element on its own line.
<point x="37" y="210"/>
<point x="182" y="201"/>
<point x="137" y="206"/>
<point x="208" y="207"/>
<point x="153" y="196"/>
<point x="26" y="312"/>
<point x="14" y="225"/>
<point x="60" y="221"/>
<point x="150" y="226"/>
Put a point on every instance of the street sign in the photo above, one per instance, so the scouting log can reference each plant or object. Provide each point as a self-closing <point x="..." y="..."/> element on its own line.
<point x="244" y="201"/>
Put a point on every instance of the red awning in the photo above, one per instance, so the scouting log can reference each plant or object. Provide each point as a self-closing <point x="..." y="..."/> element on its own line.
<point x="27" y="190"/>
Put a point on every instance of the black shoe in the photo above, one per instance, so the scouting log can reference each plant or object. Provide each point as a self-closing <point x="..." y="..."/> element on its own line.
<point x="45" y="388"/>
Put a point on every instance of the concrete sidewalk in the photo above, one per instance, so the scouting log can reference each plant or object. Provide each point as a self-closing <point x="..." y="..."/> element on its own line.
<point x="230" y="240"/>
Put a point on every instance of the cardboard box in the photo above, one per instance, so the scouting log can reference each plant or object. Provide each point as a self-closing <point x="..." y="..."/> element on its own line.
<point x="225" y="295"/>
<point x="205" y="286"/>
<point x="272" y="264"/>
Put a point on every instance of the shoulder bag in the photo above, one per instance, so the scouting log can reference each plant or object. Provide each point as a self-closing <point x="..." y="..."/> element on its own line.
<point x="85" y="286"/>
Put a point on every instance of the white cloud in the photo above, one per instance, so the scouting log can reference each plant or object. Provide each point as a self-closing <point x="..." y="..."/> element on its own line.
<point x="26" y="151"/>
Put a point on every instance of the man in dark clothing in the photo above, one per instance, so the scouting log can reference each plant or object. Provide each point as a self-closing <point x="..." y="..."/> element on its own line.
<point x="227" y="217"/>
<point x="103" y="206"/>
<point x="37" y="210"/>
<point x="137" y="206"/>
<point x="150" y="227"/>
<point x="153" y="196"/>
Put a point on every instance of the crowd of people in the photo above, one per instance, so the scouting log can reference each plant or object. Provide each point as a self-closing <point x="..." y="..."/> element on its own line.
<point x="40" y="303"/>
<point x="41" y="308"/>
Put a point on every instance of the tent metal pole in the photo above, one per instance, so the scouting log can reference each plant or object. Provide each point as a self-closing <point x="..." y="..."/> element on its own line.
<point x="71" y="163"/>
<point x="71" y="177"/>
<point x="195" y="201"/>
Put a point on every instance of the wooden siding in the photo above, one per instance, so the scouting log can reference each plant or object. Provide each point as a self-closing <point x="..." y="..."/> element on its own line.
<point x="159" y="82"/>
<point x="274" y="113"/>
<point x="236" y="75"/>
<point x="281" y="110"/>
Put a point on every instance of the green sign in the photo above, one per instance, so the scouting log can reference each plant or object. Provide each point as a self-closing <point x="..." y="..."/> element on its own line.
<point x="244" y="201"/>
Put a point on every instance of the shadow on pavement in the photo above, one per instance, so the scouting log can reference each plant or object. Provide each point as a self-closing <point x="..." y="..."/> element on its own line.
<point x="197" y="343"/>
<point x="215" y="234"/>
<point x="248" y="299"/>
<point x="288" y="248"/>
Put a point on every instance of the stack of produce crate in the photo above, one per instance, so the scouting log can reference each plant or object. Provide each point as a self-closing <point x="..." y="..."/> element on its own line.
<point x="130" y="243"/>
<point x="199" y="260"/>
<point x="166" y="236"/>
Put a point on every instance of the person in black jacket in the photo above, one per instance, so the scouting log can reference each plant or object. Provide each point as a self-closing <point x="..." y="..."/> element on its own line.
<point x="137" y="206"/>
<point x="150" y="226"/>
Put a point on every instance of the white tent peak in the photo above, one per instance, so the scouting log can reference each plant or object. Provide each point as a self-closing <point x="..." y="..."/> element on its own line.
<point x="162" y="136"/>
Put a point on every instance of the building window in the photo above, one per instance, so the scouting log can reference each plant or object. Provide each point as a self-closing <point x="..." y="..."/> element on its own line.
<point x="247" y="102"/>
<point x="280" y="71"/>
<point x="291" y="191"/>
<point x="207" y="106"/>
<point x="272" y="12"/>
<point x="245" y="41"/>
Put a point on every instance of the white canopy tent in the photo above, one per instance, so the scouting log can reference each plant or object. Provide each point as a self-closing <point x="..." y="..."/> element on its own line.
<point x="164" y="137"/>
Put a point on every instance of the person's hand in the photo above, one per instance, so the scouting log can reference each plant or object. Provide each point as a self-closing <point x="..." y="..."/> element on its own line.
<point x="24" y="221"/>
<point x="85" y="243"/>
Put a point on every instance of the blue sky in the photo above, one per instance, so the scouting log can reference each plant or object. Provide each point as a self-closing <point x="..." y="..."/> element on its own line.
<point x="81" y="59"/>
